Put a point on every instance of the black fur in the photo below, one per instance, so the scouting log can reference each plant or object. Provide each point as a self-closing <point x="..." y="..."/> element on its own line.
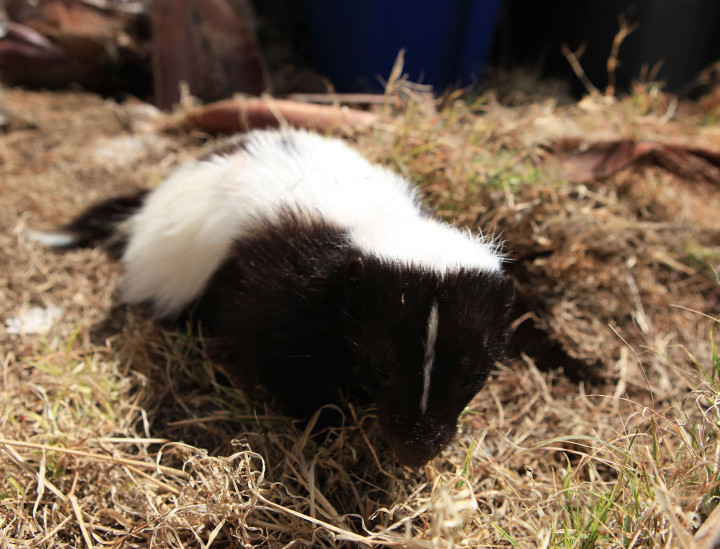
<point x="273" y="310"/>
<point x="305" y="312"/>
<point x="98" y="224"/>
<point x="301" y="310"/>
<point x="386" y="323"/>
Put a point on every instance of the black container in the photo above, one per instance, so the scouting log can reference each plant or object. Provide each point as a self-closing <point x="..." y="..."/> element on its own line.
<point x="677" y="38"/>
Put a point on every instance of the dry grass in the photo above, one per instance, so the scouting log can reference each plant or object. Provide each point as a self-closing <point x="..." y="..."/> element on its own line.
<point x="601" y="429"/>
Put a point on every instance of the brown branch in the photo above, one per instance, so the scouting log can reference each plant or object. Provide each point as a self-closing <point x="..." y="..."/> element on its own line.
<point x="573" y="58"/>
<point x="612" y="62"/>
<point x="234" y="115"/>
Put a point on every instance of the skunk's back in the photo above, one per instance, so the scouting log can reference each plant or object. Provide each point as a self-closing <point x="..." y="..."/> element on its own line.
<point x="177" y="236"/>
<point x="187" y="225"/>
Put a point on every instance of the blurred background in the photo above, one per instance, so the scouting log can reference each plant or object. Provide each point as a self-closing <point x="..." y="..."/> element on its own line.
<point x="147" y="48"/>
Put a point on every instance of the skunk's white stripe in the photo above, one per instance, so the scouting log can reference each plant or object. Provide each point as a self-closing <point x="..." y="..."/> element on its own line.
<point x="188" y="224"/>
<point x="432" y="331"/>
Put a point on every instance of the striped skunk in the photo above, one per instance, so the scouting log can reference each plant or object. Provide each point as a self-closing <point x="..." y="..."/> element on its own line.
<point x="312" y="269"/>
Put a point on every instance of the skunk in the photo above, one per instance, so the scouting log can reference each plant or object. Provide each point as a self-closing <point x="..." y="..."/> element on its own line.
<point x="312" y="269"/>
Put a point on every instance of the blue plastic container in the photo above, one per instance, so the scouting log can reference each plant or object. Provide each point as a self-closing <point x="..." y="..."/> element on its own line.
<point x="356" y="42"/>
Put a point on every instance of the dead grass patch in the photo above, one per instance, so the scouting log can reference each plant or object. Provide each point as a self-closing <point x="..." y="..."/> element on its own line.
<point x="601" y="429"/>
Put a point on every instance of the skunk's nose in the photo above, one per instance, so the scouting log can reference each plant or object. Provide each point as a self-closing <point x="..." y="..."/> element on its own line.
<point x="422" y="446"/>
<point x="414" y="459"/>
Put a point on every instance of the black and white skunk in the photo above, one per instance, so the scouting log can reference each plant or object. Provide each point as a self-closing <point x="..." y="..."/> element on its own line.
<point x="312" y="269"/>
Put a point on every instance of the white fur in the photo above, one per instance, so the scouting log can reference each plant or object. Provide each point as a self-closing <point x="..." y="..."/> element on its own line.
<point x="187" y="225"/>
<point x="54" y="239"/>
<point x="430" y="341"/>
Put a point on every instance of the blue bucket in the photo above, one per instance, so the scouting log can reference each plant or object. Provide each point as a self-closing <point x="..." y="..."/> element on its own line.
<point x="356" y="42"/>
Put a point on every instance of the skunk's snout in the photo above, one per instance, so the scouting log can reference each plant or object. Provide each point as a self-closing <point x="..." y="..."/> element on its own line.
<point x="421" y="443"/>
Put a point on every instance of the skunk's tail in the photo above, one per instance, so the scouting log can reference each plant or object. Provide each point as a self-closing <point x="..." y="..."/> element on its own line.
<point x="95" y="226"/>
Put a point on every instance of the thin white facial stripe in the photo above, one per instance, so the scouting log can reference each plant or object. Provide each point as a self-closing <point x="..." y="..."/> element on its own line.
<point x="429" y="355"/>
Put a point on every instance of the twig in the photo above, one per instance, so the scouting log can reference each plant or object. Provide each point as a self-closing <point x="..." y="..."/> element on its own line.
<point x="343" y="534"/>
<point x="54" y="531"/>
<point x="99" y="457"/>
<point x="20" y="462"/>
<point x="612" y="62"/>
<point x="78" y="515"/>
<point x="642" y="366"/>
<point x="153" y="480"/>
<point x="573" y="58"/>
<point x="346" y="98"/>
<point x="367" y="442"/>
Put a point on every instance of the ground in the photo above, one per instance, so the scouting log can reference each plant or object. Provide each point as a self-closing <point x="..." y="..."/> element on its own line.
<point x="600" y="427"/>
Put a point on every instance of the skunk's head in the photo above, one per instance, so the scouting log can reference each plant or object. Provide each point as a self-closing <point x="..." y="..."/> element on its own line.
<point x="425" y="344"/>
